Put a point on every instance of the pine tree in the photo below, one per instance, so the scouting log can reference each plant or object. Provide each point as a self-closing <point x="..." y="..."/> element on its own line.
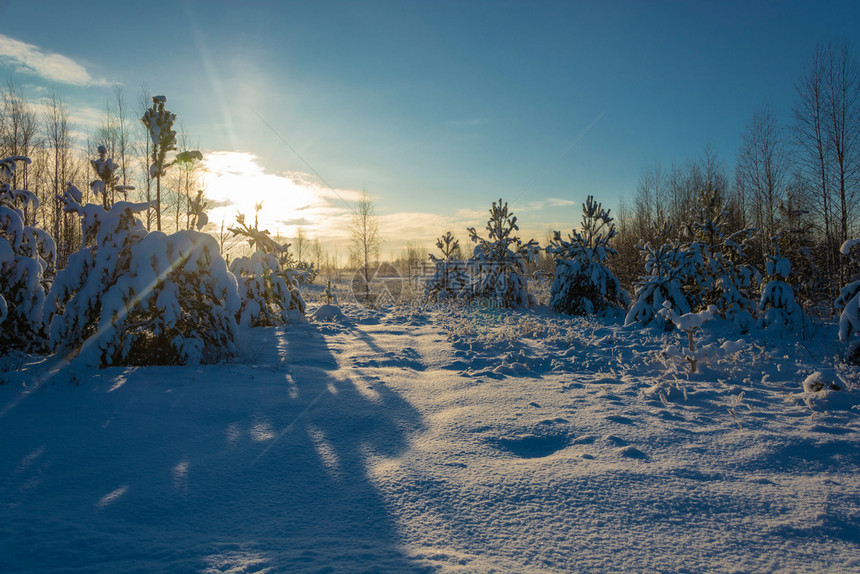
<point x="133" y="297"/>
<point x="583" y="284"/>
<point x="27" y="260"/>
<point x="450" y="277"/>
<point x="720" y="276"/>
<point x="159" y="121"/>
<point x="268" y="285"/>
<point x="666" y="265"/>
<point x="105" y="169"/>
<point x="778" y="310"/>
<point x="498" y="262"/>
<point x="848" y="303"/>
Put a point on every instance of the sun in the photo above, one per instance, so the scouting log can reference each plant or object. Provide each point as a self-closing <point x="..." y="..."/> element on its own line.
<point x="236" y="183"/>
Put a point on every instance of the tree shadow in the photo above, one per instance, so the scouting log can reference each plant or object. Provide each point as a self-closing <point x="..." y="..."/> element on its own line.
<point x="249" y="468"/>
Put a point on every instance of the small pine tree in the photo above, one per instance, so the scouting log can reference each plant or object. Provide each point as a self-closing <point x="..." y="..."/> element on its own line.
<point x="159" y="121"/>
<point x="498" y="262"/>
<point x="105" y="169"/>
<point x="450" y="277"/>
<point x="689" y="323"/>
<point x="720" y="277"/>
<point x="778" y="310"/>
<point x="268" y="286"/>
<point x="583" y="284"/>
<point x="27" y="259"/>
<point x="848" y="303"/>
<point x="197" y="216"/>
<point x="666" y="266"/>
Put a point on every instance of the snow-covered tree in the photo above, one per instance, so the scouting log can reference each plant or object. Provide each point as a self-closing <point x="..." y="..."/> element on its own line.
<point x="498" y="262"/>
<point x="450" y="277"/>
<point x="105" y="169"/>
<point x="689" y="323"/>
<point x="268" y="286"/>
<point x="778" y="310"/>
<point x="159" y="122"/>
<point x="665" y="268"/>
<point x="583" y="284"/>
<point x="197" y="216"/>
<point x="27" y="259"/>
<point x="720" y="276"/>
<point x="848" y="303"/>
<point x="132" y="297"/>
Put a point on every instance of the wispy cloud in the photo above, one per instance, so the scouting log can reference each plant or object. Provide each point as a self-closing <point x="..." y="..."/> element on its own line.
<point x="30" y="59"/>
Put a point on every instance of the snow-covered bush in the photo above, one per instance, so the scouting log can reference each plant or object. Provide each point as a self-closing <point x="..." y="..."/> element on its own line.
<point x="665" y="268"/>
<point x="450" y="277"/>
<point x="778" y="310"/>
<point x="132" y="297"/>
<point x="583" y="284"/>
<point x="498" y="262"/>
<point x="105" y="168"/>
<point x="268" y="287"/>
<point x="848" y="302"/>
<point x="305" y="272"/>
<point x="720" y="277"/>
<point x="27" y="258"/>
<point x="688" y="323"/>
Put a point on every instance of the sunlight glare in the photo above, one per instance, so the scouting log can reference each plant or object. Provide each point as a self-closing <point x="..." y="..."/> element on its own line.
<point x="236" y="183"/>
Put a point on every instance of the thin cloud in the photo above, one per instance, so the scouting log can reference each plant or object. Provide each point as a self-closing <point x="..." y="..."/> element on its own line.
<point x="29" y="59"/>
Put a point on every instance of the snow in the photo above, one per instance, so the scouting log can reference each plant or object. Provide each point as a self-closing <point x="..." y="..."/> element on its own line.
<point x="848" y="245"/>
<point x="452" y="439"/>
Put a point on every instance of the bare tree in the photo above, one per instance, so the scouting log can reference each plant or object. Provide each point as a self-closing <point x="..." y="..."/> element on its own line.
<point x="123" y="132"/>
<point x="59" y="143"/>
<point x="300" y="244"/>
<point x="185" y="182"/>
<point x="19" y="136"/>
<point x="827" y="129"/>
<point x="366" y="243"/>
<point x="143" y="150"/>
<point x="318" y="254"/>
<point x="649" y="210"/>
<point x="842" y="98"/>
<point x="762" y="172"/>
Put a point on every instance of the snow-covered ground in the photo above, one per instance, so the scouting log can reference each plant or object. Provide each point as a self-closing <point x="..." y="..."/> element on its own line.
<point x="456" y="440"/>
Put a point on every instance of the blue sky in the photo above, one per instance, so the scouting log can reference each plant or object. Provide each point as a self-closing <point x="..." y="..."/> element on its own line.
<point x="438" y="108"/>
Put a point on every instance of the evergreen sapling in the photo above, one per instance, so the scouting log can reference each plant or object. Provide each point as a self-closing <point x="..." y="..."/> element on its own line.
<point x="498" y="262"/>
<point x="449" y="278"/>
<point x="583" y="284"/>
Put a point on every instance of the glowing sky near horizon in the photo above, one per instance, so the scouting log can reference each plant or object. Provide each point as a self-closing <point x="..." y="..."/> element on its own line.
<point x="435" y="108"/>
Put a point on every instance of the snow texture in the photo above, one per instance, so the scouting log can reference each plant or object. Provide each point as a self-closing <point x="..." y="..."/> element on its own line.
<point x="457" y="439"/>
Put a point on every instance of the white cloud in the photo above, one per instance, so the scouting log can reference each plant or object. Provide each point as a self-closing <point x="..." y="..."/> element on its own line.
<point x="29" y="59"/>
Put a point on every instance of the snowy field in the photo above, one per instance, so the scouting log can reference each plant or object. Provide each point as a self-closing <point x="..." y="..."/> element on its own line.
<point x="455" y="440"/>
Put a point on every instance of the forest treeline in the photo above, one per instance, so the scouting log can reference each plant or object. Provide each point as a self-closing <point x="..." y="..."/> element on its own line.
<point x="795" y="180"/>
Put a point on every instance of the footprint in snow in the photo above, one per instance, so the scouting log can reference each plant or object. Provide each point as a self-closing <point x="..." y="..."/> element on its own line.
<point x="616" y="440"/>
<point x="633" y="452"/>
<point x="620" y="420"/>
<point x="532" y="446"/>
